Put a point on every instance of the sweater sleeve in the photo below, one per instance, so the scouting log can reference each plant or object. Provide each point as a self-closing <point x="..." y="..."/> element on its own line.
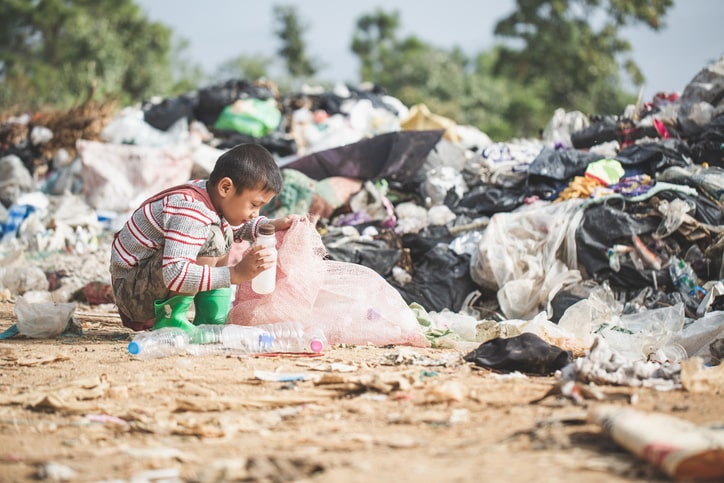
<point x="249" y="230"/>
<point x="186" y="227"/>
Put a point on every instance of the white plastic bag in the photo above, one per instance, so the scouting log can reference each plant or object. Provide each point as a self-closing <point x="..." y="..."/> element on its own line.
<point x="526" y="256"/>
<point x="42" y="320"/>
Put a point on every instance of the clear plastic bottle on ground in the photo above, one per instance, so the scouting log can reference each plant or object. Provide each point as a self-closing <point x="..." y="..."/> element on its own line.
<point x="240" y="339"/>
<point x="207" y="340"/>
<point x="163" y="342"/>
<point x="265" y="282"/>
<point x="289" y="337"/>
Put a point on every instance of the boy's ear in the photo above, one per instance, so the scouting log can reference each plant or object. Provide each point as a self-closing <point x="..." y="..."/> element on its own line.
<point x="225" y="187"/>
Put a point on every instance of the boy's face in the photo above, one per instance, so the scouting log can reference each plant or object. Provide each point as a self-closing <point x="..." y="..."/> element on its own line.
<point x="238" y="208"/>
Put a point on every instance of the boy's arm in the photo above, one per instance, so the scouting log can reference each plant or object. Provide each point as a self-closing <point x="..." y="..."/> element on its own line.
<point x="249" y="230"/>
<point x="186" y="229"/>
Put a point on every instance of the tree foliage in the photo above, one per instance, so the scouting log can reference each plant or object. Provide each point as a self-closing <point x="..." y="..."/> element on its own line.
<point x="290" y="31"/>
<point x="553" y="53"/>
<point x="52" y="51"/>
<point x="575" y="46"/>
<point x="447" y="82"/>
<point x="374" y="42"/>
<point x="186" y="74"/>
<point x="559" y="53"/>
<point x="244" y="67"/>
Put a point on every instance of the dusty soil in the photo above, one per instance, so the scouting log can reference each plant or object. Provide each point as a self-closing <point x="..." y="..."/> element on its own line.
<point x="80" y="408"/>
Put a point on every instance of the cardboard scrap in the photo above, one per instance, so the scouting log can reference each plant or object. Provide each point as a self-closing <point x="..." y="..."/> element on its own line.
<point x="70" y="397"/>
<point x="205" y="404"/>
<point x="385" y="383"/>
<point x="34" y="359"/>
<point x="696" y="377"/>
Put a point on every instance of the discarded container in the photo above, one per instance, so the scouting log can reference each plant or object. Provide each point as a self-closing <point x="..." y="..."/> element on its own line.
<point x="678" y="447"/>
<point x="265" y="282"/>
<point x="267" y="338"/>
<point x="639" y="336"/>
<point x="670" y="353"/>
<point x="163" y="342"/>
<point x="686" y="281"/>
<point x="230" y="339"/>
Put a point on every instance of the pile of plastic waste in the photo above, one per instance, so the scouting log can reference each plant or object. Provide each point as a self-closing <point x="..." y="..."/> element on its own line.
<point x="605" y="226"/>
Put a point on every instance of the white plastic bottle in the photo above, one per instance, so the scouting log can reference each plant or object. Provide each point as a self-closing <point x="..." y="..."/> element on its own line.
<point x="278" y="337"/>
<point x="265" y="282"/>
<point x="163" y="342"/>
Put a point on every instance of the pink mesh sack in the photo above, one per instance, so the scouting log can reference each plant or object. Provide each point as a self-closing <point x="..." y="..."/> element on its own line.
<point x="350" y="303"/>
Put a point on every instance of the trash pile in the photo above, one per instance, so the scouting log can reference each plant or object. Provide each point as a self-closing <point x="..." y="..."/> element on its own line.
<point x="605" y="231"/>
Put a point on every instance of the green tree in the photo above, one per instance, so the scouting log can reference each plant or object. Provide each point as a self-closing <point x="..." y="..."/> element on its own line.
<point x="575" y="47"/>
<point x="290" y="31"/>
<point x="52" y="51"/>
<point x="502" y="108"/>
<point x="559" y="53"/>
<point x="445" y="81"/>
<point x="244" y="67"/>
<point x="374" y="41"/>
<point x="186" y="74"/>
<point x="408" y="68"/>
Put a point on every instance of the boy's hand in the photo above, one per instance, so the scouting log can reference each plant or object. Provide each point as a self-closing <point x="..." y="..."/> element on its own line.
<point x="256" y="260"/>
<point x="285" y="223"/>
<point x="281" y="224"/>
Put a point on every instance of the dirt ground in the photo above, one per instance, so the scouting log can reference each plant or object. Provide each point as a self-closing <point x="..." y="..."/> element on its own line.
<point x="80" y="408"/>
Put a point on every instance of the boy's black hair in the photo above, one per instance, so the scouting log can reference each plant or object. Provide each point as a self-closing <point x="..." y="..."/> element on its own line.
<point x="249" y="166"/>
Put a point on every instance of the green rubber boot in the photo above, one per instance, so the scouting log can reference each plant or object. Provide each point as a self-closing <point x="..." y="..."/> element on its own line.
<point x="172" y="313"/>
<point x="212" y="307"/>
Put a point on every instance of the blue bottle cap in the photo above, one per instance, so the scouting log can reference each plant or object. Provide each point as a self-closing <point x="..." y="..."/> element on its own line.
<point x="133" y="347"/>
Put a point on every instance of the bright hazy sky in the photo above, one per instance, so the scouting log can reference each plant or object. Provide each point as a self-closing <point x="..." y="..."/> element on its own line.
<point x="219" y="30"/>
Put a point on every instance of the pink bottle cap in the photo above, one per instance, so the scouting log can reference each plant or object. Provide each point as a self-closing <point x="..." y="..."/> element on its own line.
<point x="316" y="345"/>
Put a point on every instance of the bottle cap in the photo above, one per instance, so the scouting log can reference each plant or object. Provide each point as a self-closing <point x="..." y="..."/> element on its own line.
<point x="316" y="345"/>
<point x="133" y="347"/>
<point x="266" y="229"/>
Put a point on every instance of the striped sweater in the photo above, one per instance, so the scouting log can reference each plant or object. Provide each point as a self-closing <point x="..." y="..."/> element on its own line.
<point x="178" y="224"/>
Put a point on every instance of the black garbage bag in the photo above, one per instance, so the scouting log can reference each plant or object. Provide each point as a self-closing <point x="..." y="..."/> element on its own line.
<point x="624" y="131"/>
<point x="598" y="132"/>
<point x="332" y="102"/>
<point x="603" y="226"/>
<point x="486" y="200"/>
<point x="374" y="254"/>
<point x="162" y="115"/>
<point x="30" y="156"/>
<point x="397" y="155"/>
<point x="707" y="210"/>
<point x="526" y="353"/>
<point x="440" y="276"/>
<point x="213" y="99"/>
<point x="553" y="169"/>
<point x="651" y="158"/>
<point x="276" y="141"/>
<point x="708" y="145"/>
<point x="570" y="295"/>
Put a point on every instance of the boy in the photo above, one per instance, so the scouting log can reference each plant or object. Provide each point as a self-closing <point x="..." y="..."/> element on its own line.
<point x="174" y="248"/>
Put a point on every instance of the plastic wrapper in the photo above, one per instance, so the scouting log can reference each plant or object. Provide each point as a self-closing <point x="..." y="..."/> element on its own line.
<point x="42" y="320"/>
<point x="527" y="256"/>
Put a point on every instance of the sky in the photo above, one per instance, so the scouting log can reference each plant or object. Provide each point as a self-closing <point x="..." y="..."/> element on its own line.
<point x="220" y="30"/>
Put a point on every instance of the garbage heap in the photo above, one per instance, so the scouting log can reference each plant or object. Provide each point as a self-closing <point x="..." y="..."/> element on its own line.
<point x="614" y="215"/>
